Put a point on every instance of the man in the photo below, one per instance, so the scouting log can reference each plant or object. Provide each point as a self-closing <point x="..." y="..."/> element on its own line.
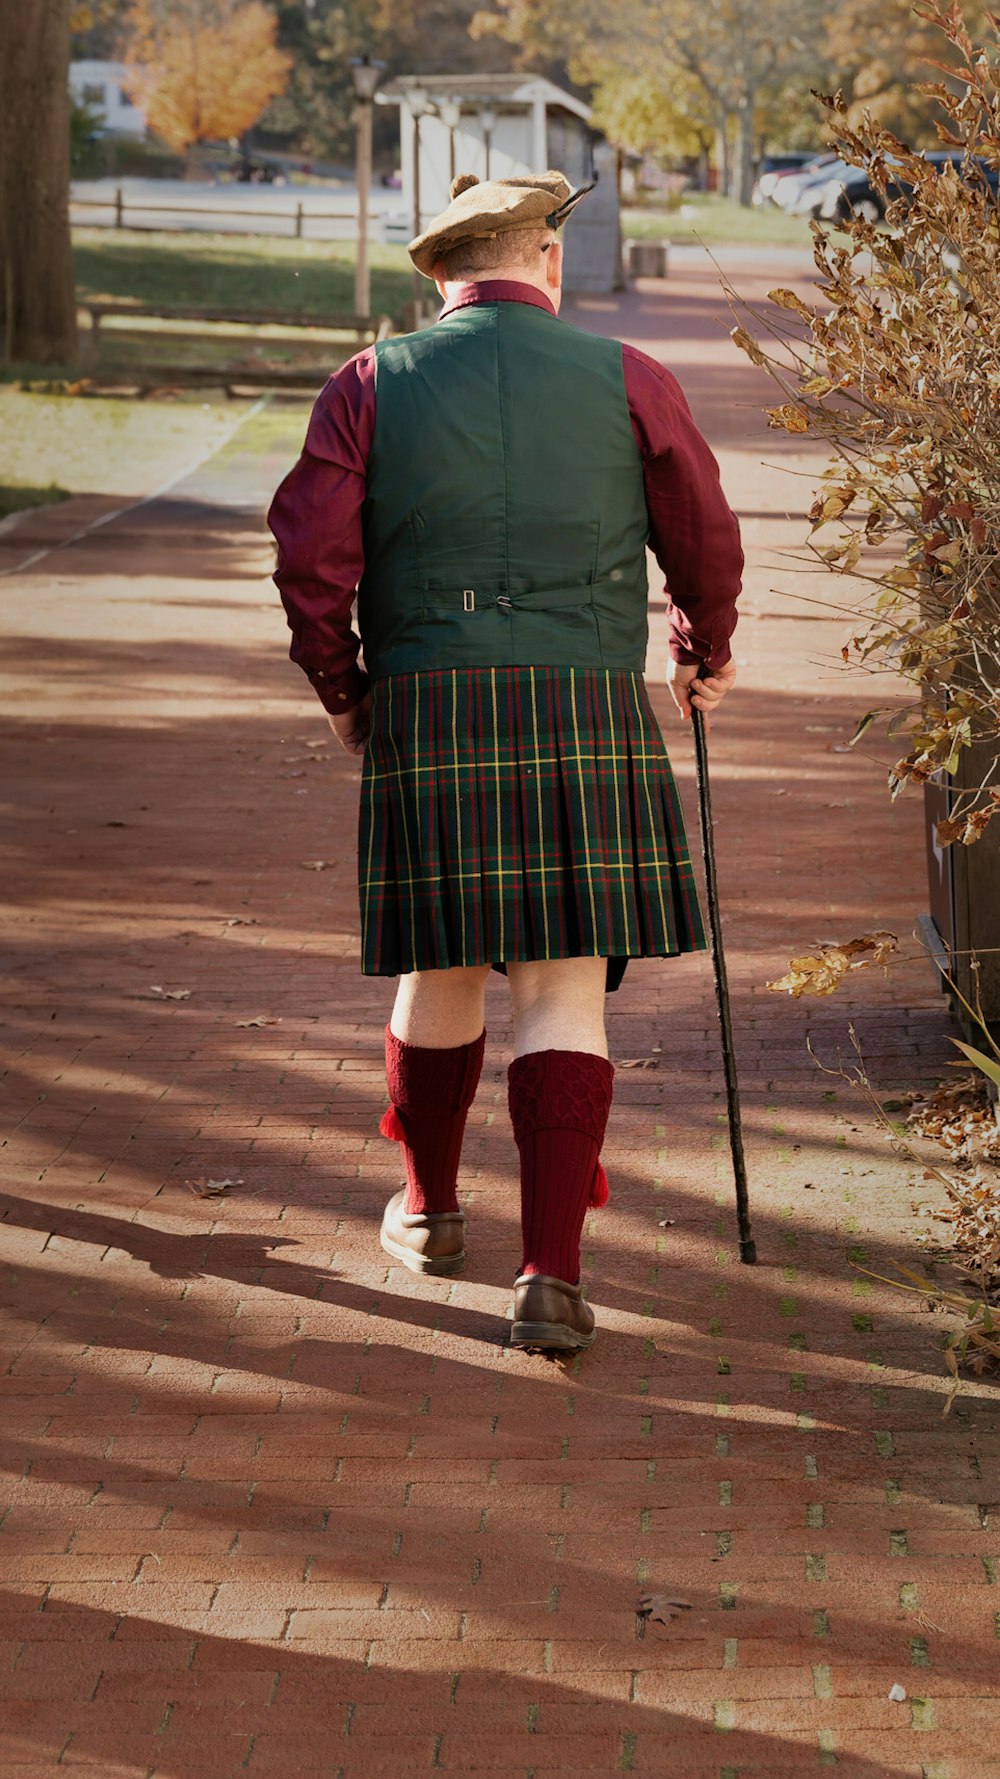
<point x="487" y="487"/>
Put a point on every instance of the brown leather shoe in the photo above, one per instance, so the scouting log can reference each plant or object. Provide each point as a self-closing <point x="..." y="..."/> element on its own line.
<point x="431" y="1241"/>
<point x="550" y="1313"/>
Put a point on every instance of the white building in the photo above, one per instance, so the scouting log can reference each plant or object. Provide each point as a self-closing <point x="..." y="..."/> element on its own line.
<point x="497" y="126"/>
<point x="101" y="87"/>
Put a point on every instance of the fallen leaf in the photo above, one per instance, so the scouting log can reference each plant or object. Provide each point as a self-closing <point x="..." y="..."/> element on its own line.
<point x="170" y="994"/>
<point x="640" y="1062"/>
<point x="239" y="921"/>
<point x="205" y="1188"/>
<point x="261" y="1019"/>
<point x="315" y="864"/>
<point x="661" y="1608"/>
<point x="315" y="744"/>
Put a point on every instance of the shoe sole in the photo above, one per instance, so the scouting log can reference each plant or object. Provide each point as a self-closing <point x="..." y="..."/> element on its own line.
<point x="439" y="1266"/>
<point x="555" y="1335"/>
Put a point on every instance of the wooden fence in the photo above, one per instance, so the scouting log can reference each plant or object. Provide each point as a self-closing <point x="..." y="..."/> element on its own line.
<point x="297" y="218"/>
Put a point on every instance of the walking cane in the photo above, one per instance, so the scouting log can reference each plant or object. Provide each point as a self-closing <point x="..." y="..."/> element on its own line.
<point x="748" y="1247"/>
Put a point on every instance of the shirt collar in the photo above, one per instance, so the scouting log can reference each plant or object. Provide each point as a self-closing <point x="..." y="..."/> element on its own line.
<point x="496" y="290"/>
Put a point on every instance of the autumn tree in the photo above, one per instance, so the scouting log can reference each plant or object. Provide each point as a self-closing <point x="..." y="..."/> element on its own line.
<point x="409" y="36"/>
<point x="37" y="299"/>
<point x="737" y="53"/>
<point x="203" y="69"/>
<point x="880" y="49"/>
<point x="646" y="115"/>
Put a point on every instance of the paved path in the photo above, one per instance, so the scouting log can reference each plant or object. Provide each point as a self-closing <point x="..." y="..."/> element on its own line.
<point x="276" y="1508"/>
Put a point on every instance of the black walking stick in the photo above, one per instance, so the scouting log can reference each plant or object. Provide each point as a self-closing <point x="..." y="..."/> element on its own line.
<point x="748" y="1247"/>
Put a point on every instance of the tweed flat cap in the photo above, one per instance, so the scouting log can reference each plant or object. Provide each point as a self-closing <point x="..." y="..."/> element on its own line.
<point x="479" y="211"/>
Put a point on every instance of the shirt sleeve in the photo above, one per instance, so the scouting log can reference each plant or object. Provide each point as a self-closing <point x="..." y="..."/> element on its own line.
<point x="316" y="519"/>
<point x="692" y="532"/>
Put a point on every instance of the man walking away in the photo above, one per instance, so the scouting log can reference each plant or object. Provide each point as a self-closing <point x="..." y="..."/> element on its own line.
<point x="486" y="488"/>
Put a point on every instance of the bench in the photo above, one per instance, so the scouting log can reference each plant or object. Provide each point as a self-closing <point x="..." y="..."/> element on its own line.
<point x="360" y="330"/>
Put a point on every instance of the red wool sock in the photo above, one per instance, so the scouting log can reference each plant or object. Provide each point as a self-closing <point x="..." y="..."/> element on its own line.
<point x="431" y="1092"/>
<point x="559" y="1106"/>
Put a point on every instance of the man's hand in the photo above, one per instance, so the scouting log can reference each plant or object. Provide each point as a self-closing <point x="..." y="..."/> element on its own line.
<point x="353" y="727"/>
<point x="688" y="691"/>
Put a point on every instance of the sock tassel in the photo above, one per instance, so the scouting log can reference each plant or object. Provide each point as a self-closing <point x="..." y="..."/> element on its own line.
<point x="392" y="1126"/>
<point x="599" y="1189"/>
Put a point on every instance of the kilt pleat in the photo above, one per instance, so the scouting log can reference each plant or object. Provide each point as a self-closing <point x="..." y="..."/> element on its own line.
<point x="517" y="814"/>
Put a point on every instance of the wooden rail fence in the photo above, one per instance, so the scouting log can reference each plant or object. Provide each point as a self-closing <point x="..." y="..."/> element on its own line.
<point x="297" y="217"/>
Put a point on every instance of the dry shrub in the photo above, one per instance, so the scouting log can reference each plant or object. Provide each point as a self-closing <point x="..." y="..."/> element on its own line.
<point x="897" y="369"/>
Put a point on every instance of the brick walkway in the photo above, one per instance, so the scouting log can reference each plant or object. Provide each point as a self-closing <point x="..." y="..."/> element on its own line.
<point x="274" y="1507"/>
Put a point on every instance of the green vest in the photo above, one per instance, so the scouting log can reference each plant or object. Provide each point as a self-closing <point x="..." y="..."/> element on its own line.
<point x="505" y="518"/>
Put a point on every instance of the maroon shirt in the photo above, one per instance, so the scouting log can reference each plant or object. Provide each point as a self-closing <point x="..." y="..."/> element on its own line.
<point x="316" y="515"/>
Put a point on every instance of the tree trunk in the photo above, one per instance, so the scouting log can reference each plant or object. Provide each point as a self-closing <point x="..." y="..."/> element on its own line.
<point x="723" y="158"/>
<point x="37" y="297"/>
<point x="743" y="167"/>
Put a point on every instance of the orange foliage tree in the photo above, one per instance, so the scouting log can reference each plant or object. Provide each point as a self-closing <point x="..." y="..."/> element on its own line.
<point x="203" y="69"/>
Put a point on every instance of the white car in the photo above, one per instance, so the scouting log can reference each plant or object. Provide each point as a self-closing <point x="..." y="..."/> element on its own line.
<point x="789" y="185"/>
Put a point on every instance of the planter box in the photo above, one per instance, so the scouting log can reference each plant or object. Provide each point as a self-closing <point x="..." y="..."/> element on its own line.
<point x="964" y="917"/>
<point x="646" y="259"/>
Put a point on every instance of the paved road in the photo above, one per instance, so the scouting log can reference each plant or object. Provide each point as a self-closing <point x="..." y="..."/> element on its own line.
<point x="274" y="1507"/>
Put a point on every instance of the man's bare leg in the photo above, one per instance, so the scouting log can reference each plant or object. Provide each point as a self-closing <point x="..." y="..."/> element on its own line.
<point x="440" y="1008"/>
<point x="559" y="1005"/>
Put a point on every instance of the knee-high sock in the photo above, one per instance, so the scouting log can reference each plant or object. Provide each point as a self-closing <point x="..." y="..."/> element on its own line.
<point x="431" y="1092"/>
<point x="559" y="1106"/>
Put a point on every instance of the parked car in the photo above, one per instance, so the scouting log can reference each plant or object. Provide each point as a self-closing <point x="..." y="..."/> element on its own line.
<point x="809" y="198"/>
<point x="855" y="195"/>
<point x="247" y="172"/>
<point x="771" y="169"/>
<point x="787" y="186"/>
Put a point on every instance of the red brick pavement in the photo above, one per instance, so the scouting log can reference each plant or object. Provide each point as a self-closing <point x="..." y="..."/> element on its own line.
<point x="273" y="1507"/>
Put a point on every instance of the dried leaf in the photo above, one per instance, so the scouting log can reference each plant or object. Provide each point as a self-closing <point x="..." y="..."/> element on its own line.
<point x="205" y="1188"/>
<point x="747" y="344"/>
<point x="261" y="1019"/>
<point x="640" y="1062"/>
<point x="661" y="1608"/>
<point x="170" y="994"/>
<point x="822" y="972"/>
<point x="316" y="864"/>
<point x="787" y="299"/>
<point x="789" y="417"/>
<point x="949" y="553"/>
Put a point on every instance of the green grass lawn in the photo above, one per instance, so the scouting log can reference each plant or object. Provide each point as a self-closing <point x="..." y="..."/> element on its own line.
<point x="16" y="496"/>
<point x="719" y="223"/>
<point x="51" y="445"/>
<point x="311" y="279"/>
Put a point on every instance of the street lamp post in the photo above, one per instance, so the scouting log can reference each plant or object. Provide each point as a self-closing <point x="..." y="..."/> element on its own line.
<point x="419" y="102"/>
<point x="488" y="123"/>
<point x="365" y="74"/>
<point x="450" y="113"/>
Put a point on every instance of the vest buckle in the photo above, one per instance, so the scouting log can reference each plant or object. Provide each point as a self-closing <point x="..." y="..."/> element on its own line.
<point x="468" y="599"/>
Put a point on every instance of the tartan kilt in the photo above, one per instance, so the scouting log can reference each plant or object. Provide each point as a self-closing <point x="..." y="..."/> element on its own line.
<point x="520" y="813"/>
